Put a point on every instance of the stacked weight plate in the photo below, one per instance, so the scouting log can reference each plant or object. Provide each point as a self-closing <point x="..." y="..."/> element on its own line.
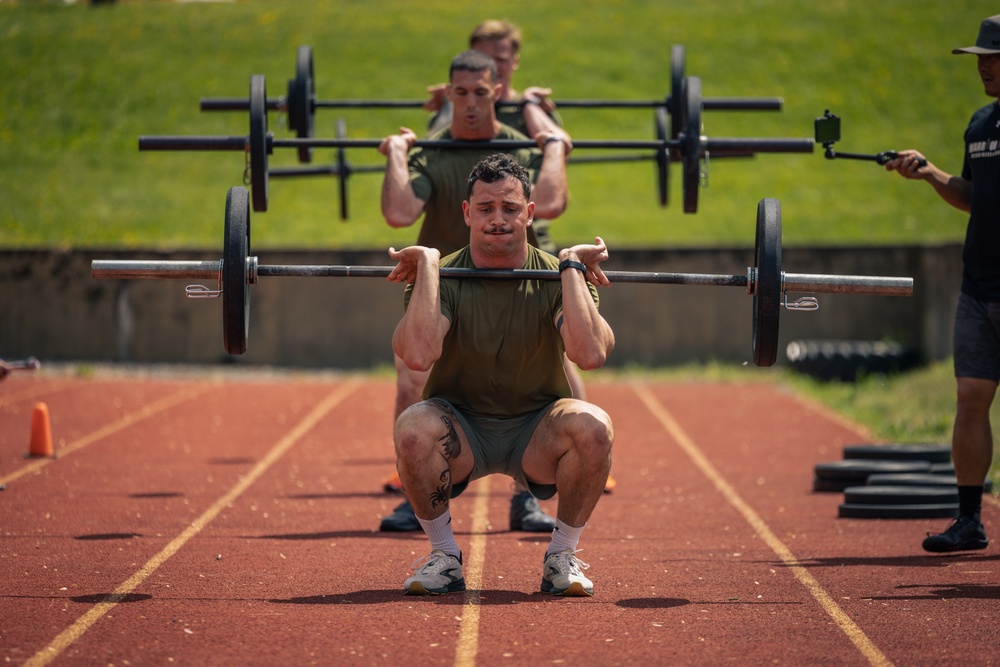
<point x="896" y="481"/>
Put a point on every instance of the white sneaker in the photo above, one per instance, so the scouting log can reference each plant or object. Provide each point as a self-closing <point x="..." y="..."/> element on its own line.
<point x="562" y="574"/>
<point x="436" y="574"/>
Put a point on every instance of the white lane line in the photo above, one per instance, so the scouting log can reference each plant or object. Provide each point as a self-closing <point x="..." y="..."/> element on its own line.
<point x="147" y="411"/>
<point x="84" y="623"/>
<point x="854" y="633"/>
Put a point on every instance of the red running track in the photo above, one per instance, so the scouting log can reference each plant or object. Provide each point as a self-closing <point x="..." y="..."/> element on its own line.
<point x="232" y="520"/>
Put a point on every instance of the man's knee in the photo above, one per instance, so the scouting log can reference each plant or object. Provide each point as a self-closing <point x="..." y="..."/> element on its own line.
<point x="593" y="433"/>
<point x="975" y="395"/>
<point x="417" y="429"/>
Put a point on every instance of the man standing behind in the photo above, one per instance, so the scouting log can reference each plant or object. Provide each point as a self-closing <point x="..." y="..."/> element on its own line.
<point x="977" y="319"/>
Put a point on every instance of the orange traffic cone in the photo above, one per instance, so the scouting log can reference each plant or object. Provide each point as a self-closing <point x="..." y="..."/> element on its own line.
<point x="41" y="433"/>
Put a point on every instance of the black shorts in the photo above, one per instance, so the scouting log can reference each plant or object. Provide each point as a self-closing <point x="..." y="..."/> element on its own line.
<point x="976" y="341"/>
<point x="498" y="445"/>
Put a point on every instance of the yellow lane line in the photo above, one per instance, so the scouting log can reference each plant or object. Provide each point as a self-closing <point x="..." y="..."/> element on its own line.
<point x="854" y="633"/>
<point x="82" y="624"/>
<point x="468" y="630"/>
<point x="147" y="411"/>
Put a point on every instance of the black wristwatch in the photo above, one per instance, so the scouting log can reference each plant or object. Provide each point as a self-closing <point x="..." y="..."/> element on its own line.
<point x="571" y="264"/>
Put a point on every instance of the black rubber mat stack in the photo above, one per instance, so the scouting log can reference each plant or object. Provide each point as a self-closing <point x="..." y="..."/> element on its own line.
<point x="894" y="481"/>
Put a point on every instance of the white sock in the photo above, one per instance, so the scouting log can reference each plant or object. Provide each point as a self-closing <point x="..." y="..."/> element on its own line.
<point x="441" y="535"/>
<point x="564" y="538"/>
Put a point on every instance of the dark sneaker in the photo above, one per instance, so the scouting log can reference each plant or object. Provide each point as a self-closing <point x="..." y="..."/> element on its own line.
<point x="402" y="520"/>
<point x="562" y="574"/>
<point x="965" y="534"/>
<point x="527" y="515"/>
<point x="436" y="574"/>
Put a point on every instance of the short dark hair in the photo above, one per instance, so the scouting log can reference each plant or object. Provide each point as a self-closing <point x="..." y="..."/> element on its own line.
<point x="499" y="167"/>
<point x="473" y="61"/>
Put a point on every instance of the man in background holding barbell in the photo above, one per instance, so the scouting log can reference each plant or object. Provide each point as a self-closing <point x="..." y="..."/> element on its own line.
<point x="530" y="113"/>
<point x="977" y="320"/>
<point x="431" y="183"/>
<point x="497" y="399"/>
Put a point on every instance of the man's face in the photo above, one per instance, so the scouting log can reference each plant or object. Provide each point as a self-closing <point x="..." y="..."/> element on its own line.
<point x="472" y="95"/>
<point x="498" y="215"/>
<point x="502" y="51"/>
<point x="989" y="72"/>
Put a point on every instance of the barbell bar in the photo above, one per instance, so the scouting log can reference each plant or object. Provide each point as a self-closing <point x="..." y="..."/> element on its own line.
<point x="765" y="281"/>
<point x="690" y="144"/>
<point x="300" y="104"/>
<point x="343" y="170"/>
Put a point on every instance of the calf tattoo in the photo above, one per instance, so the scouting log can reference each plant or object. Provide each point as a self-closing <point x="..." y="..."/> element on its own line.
<point x="449" y="441"/>
<point x="442" y="494"/>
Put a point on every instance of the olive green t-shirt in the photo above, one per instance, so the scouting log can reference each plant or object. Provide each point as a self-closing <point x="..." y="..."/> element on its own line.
<point x="440" y="177"/>
<point x="503" y="355"/>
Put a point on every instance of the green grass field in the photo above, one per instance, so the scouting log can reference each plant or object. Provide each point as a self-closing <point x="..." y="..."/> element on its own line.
<point x="79" y="84"/>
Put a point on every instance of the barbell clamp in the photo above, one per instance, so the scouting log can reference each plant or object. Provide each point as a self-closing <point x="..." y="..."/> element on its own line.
<point x="201" y="292"/>
<point x="802" y="303"/>
<point x="252" y="270"/>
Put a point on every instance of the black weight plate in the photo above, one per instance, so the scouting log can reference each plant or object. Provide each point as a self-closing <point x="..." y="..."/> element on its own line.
<point x="920" y="479"/>
<point x="900" y="495"/>
<point x="911" y="479"/>
<point x="692" y="143"/>
<point x="662" y="121"/>
<point x="343" y="170"/>
<point x="900" y="452"/>
<point x="258" y="142"/>
<point x="305" y="88"/>
<point x="860" y="511"/>
<point x="859" y="470"/>
<point x="835" y="485"/>
<point x="767" y="290"/>
<point x="235" y="287"/>
<point x="677" y="100"/>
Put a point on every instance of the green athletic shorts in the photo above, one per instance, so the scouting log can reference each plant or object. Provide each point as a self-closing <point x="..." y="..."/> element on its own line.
<point x="498" y="445"/>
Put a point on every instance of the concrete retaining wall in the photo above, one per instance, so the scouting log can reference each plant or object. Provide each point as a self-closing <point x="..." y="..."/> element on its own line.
<point x="52" y="308"/>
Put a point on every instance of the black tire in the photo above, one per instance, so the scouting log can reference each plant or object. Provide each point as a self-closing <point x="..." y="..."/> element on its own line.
<point x="849" y="360"/>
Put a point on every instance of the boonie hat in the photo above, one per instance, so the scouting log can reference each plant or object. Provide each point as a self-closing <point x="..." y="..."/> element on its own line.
<point x="988" y="40"/>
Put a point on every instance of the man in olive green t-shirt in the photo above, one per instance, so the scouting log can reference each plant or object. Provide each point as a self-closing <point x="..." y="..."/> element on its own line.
<point x="497" y="399"/>
<point x="430" y="182"/>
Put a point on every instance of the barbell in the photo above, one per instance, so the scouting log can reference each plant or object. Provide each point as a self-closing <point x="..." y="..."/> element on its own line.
<point x="765" y="280"/>
<point x="690" y="144"/>
<point x="29" y="364"/>
<point x="300" y="103"/>
<point x="343" y="170"/>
